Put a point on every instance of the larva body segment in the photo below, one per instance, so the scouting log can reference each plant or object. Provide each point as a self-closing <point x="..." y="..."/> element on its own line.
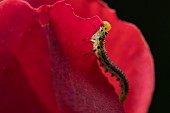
<point x="99" y="48"/>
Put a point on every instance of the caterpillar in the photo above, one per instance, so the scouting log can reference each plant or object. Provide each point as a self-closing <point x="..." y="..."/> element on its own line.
<point x="98" y="40"/>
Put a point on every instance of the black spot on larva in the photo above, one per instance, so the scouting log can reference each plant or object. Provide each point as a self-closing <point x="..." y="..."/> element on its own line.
<point x="106" y="33"/>
<point x="113" y="74"/>
<point x="102" y="30"/>
<point x="98" y="47"/>
<point x="122" y="92"/>
<point x="125" y="81"/>
<point x="121" y="85"/>
<point x="101" y="39"/>
<point x="99" y="53"/>
<point x="106" y="70"/>
<point x="94" y="50"/>
<point x="109" y="66"/>
<point x="105" y="28"/>
<point x="99" y="58"/>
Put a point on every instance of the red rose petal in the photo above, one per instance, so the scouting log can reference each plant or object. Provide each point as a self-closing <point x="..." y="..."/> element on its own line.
<point x="16" y="94"/>
<point x="26" y="85"/>
<point x="79" y="84"/>
<point x="31" y="53"/>
<point x="128" y="49"/>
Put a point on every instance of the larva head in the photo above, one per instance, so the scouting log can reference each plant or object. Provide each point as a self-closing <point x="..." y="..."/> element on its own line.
<point x="106" y="26"/>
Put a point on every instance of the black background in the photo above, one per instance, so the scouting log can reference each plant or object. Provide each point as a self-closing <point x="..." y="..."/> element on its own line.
<point x="153" y="19"/>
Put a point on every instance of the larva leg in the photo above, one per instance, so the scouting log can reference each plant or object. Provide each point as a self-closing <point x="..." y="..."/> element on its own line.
<point x="90" y="39"/>
<point x="90" y="52"/>
<point x="87" y="40"/>
<point x="95" y="28"/>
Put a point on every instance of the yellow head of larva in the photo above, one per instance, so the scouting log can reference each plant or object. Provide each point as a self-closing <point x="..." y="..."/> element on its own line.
<point x="106" y="26"/>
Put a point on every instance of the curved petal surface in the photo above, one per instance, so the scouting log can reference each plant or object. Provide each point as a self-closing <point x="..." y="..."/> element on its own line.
<point x="42" y="55"/>
<point x="127" y="48"/>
